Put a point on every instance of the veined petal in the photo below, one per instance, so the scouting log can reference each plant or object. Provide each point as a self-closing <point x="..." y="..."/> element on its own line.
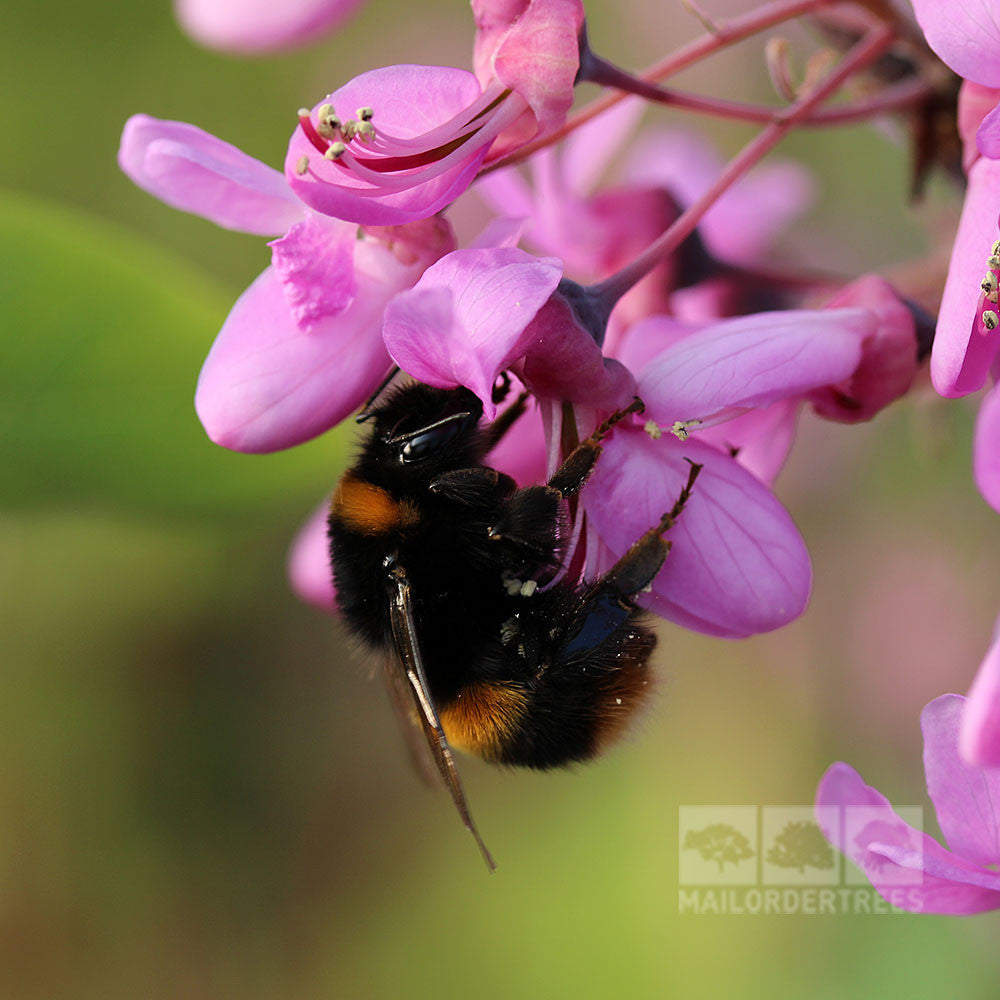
<point x="314" y="261"/>
<point x="961" y="358"/>
<point x="251" y="26"/>
<point x="965" y="34"/>
<point x="979" y="735"/>
<point x="753" y="361"/>
<point x="967" y="798"/>
<point x="465" y="318"/>
<point x="310" y="571"/>
<point x="986" y="449"/>
<point x="860" y="822"/>
<point x="267" y="384"/>
<point x="737" y="566"/>
<point x="194" y="171"/>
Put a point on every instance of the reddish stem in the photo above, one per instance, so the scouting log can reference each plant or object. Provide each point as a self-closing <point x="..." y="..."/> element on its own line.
<point x="895" y="98"/>
<point x="874" y="43"/>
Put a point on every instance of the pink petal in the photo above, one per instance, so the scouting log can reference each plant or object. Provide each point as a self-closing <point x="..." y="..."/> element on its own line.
<point x="196" y="172"/>
<point x="890" y="851"/>
<point x="966" y="798"/>
<point x="267" y="384"/>
<point x="979" y="735"/>
<point x="314" y="261"/>
<point x="587" y="153"/>
<point x="309" y="569"/>
<point x="960" y="359"/>
<point x="650" y="337"/>
<point x="407" y="102"/>
<point x="538" y="56"/>
<point x="738" y="565"/>
<point x="465" y="318"/>
<point x="988" y="133"/>
<point x="974" y="104"/>
<point x="986" y="450"/>
<point x="965" y="34"/>
<point x="888" y="358"/>
<point x="250" y="26"/>
<point x="562" y="361"/>
<point x="753" y="361"/>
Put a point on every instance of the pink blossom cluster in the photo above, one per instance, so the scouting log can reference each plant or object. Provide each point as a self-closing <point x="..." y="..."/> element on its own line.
<point x="622" y="262"/>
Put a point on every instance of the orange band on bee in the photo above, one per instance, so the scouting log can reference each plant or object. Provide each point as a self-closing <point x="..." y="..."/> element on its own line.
<point x="370" y="509"/>
<point x="483" y="718"/>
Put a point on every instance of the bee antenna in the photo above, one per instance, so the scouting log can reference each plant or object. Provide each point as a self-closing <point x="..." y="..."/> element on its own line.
<point x="366" y="413"/>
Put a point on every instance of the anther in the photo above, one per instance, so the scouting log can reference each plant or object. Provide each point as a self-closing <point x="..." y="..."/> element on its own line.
<point x="991" y="320"/>
<point x="994" y="262"/>
<point x="996" y="249"/>
<point x="365" y="114"/>
<point x="365" y="131"/>
<point x="302" y="166"/>
<point x="335" y="152"/>
<point x="681" y="428"/>
<point x="652" y="428"/>
<point x="349" y="129"/>
<point x="989" y="282"/>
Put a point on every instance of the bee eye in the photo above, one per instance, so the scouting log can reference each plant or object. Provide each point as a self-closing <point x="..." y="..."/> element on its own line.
<point x="430" y="442"/>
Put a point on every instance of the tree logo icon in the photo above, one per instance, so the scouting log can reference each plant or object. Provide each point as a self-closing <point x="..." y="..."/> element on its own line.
<point x="719" y="842"/>
<point x="801" y="845"/>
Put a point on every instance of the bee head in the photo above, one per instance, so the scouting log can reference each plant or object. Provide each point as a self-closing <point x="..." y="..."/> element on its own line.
<point x="418" y="426"/>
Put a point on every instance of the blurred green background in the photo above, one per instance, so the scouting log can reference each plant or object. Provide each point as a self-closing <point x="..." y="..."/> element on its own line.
<point x="201" y="792"/>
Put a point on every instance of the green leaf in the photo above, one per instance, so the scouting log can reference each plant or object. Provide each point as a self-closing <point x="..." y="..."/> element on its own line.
<point x="103" y="338"/>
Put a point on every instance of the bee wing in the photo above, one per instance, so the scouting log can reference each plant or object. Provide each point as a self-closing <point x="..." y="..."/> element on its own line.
<point x="420" y="708"/>
<point x="407" y="712"/>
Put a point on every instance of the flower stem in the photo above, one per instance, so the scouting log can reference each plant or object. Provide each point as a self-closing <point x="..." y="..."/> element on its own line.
<point x="725" y="34"/>
<point x="894" y="98"/>
<point x="871" y="46"/>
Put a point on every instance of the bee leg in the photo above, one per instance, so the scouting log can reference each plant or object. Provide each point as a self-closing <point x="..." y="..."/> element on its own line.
<point x="531" y="518"/>
<point x="529" y="524"/>
<point x="636" y="569"/>
<point x="579" y="463"/>
<point x="473" y="485"/>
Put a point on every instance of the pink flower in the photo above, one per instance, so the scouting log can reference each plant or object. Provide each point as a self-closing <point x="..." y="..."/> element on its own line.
<point x="905" y="865"/>
<point x="477" y="312"/>
<point x="966" y="35"/>
<point x="400" y="143"/>
<point x="252" y="26"/>
<point x="980" y="733"/>
<point x="302" y="348"/>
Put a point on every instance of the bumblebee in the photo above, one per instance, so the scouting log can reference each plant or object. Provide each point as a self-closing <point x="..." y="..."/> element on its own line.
<point x="455" y="576"/>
